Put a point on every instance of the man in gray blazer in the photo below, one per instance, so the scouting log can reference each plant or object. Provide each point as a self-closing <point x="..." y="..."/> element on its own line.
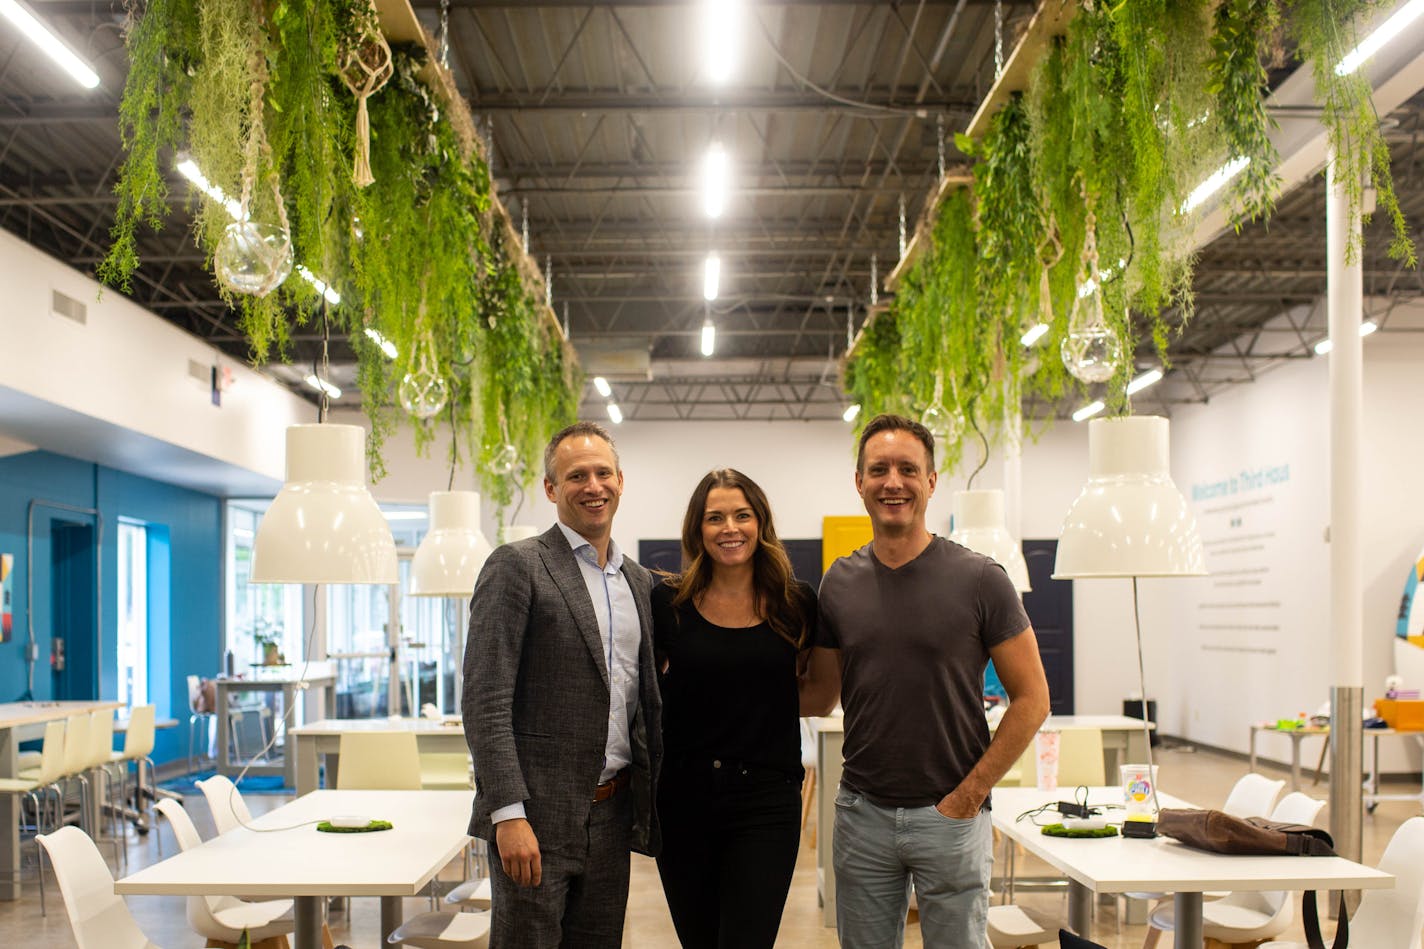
<point x="562" y="713"/>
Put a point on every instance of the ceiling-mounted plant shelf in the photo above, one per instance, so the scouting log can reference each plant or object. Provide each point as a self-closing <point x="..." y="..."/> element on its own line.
<point x="400" y="25"/>
<point x="1050" y="20"/>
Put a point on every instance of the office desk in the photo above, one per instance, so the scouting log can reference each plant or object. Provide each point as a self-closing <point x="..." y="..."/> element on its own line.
<point x="322" y="740"/>
<point x="1373" y="796"/>
<point x="1296" y="735"/>
<point x="1162" y="865"/>
<point x="22" y="721"/>
<point x="1123" y="742"/>
<point x="289" y="681"/>
<point x="298" y="862"/>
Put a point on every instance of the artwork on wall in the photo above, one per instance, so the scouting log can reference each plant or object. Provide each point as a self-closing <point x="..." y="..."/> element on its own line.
<point x="7" y="569"/>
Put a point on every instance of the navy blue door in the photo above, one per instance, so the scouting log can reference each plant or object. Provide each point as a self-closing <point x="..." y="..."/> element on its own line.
<point x="1050" y="610"/>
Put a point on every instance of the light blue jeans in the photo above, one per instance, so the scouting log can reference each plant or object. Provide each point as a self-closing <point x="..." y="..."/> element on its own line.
<point x="878" y="851"/>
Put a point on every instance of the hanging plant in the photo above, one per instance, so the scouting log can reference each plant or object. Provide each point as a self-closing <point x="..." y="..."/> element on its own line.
<point x="1242" y="32"/>
<point x="366" y="66"/>
<point x="1325" y="32"/>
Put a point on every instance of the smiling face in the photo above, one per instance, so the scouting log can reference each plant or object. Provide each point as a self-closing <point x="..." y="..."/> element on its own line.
<point x="896" y="482"/>
<point x="729" y="528"/>
<point x="586" y="486"/>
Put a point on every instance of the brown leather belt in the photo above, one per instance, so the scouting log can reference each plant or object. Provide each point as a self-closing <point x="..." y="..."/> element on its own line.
<point x="611" y="787"/>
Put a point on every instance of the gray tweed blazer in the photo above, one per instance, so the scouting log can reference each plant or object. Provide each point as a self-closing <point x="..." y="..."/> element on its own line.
<point x="536" y="695"/>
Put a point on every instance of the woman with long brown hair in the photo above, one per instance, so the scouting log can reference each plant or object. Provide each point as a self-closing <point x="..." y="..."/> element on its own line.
<point x="735" y="635"/>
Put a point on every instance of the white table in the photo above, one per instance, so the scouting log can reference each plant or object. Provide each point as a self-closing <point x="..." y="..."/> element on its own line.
<point x="290" y="682"/>
<point x="298" y="862"/>
<point x="1162" y="865"/>
<point x="322" y="740"/>
<point x="1123" y="742"/>
<point x="22" y="721"/>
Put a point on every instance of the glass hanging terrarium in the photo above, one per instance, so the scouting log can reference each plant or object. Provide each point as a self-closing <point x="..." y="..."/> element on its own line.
<point x="505" y="459"/>
<point x="1092" y="350"/>
<point x="423" y="392"/>
<point x="943" y="424"/>
<point x="254" y="257"/>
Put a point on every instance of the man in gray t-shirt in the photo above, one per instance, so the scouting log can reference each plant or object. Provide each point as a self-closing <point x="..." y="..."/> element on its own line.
<point x="916" y="618"/>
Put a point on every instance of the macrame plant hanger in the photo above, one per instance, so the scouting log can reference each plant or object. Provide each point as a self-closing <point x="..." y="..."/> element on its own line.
<point x="366" y="67"/>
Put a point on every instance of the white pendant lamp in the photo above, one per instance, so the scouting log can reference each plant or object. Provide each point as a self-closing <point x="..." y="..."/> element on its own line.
<point x="513" y="532"/>
<point x="448" y="560"/>
<point x="324" y="526"/>
<point x="1130" y="520"/>
<point x="979" y="525"/>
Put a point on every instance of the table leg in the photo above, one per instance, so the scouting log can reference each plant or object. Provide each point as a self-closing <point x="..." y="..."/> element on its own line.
<point x="1320" y="765"/>
<point x="392" y="914"/>
<point x="304" y="748"/>
<point x="224" y="731"/>
<point x="1080" y="909"/>
<point x="1295" y="738"/>
<point x="1188" y="918"/>
<point x="1252" y="765"/>
<point x="289" y="758"/>
<point x="308" y="919"/>
<point x="9" y="846"/>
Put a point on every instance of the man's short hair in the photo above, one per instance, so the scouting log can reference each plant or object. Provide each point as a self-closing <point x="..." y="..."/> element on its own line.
<point x="894" y="423"/>
<point x="578" y="428"/>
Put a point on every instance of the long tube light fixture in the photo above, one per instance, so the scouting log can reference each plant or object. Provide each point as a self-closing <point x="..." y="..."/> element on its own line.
<point x="1215" y="182"/>
<point x="321" y="385"/>
<point x="1148" y="378"/>
<point x="716" y="180"/>
<point x="601" y="384"/>
<point x="719" y="33"/>
<point x="1325" y="345"/>
<point x="1033" y="334"/>
<point x="709" y="338"/>
<point x="1373" y="43"/>
<point x="711" y="277"/>
<point x="1088" y="411"/>
<point x="851" y="412"/>
<point x="37" y="32"/>
<point x="615" y="414"/>
<point x="385" y="345"/>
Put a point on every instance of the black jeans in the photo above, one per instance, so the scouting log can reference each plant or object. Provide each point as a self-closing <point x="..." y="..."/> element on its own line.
<point x="730" y="836"/>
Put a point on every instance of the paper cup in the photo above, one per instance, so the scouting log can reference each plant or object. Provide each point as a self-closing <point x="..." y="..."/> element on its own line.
<point x="1046" y="751"/>
<point x="1137" y="784"/>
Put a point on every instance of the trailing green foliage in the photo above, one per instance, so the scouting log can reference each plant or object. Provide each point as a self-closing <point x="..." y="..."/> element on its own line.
<point x="1236" y="79"/>
<point x="1325" y="31"/>
<point x="251" y="91"/>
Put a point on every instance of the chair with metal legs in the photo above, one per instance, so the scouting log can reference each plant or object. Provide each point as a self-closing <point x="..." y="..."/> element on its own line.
<point x="37" y="786"/>
<point x="138" y="745"/>
<point x="98" y="916"/>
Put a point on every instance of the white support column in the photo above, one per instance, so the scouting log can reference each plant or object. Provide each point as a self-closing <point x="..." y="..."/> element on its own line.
<point x="1345" y="299"/>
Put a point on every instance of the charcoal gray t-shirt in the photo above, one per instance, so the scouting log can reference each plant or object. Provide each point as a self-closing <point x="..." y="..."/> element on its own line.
<point x="914" y="642"/>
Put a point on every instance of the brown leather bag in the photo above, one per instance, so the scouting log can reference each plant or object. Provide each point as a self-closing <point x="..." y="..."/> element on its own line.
<point x="1219" y="832"/>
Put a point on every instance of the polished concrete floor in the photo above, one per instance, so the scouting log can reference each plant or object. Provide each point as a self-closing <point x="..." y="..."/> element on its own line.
<point x="1201" y="777"/>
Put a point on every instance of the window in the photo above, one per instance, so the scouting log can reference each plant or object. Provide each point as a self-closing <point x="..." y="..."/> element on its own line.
<point x="257" y="613"/>
<point x="131" y="651"/>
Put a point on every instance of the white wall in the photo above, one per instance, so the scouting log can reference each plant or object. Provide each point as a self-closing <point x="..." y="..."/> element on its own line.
<point x="128" y="368"/>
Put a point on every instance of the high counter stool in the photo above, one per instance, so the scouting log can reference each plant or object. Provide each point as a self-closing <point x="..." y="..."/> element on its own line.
<point x="1011" y="928"/>
<point x="138" y="745"/>
<point x="32" y="784"/>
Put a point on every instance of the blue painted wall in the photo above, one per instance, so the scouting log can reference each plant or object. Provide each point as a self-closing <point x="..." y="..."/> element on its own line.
<point x="185" y="584"/>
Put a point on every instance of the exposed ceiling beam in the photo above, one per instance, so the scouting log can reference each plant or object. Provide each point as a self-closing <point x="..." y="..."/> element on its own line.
<point x="880" y="104"/>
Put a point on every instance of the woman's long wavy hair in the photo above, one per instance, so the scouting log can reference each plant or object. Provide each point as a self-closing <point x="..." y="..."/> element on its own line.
<point x="778" y="598"/>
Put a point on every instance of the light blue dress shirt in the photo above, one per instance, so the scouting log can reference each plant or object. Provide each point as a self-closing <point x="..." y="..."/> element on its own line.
<point x="621" y="633"/>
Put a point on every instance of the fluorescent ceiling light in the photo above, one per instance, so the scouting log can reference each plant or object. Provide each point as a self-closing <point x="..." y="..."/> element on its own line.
<point x="322" y="286"/>
<point x="190" y="170"/>
<point x="1033" y="334"/>
<point x="1373" y="43"/>
<point x="709" y="338"/>
<point x="851" y="412"/>
<point x="711" y="277"/>
<point x="716" y="180"/>
<point x="41" y="35"/>
<point x="1088" y="286"/>
<point x="720" y="30"/>
<point x="1150" y="377"/>
<point x="242" y="533"/>
<point x="601" y="384"/>
<point x="1325" y="345"/>
<point x="1215" y="182"/>
<point x="1088" y="411"/>
<point x="387" y="347"/>
<point x="321" y="385"/>
<point x="404" y="515"/>
<point x="615" y="414"/>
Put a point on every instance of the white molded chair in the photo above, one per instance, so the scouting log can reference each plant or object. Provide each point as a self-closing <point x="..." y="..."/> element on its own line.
<point x="379" y="761"/>
<point x="222" y="919"/>
<point x="1253" y="795"/>
<point x="445" y="771"/>
<point x="78" y="759"/>
<point x="1011" y="928"/>
<point x="1390" y="919"/>
<point x="101" y="750"/>
<point x="1249" y="917"/>
<point x="99" y="917"/>
<point x="225" y="801"/>
<point x="138" y="745"/>
<point x="808" y="785"/>
<point x="444" y="930"/>
<point x="475" y="894"/>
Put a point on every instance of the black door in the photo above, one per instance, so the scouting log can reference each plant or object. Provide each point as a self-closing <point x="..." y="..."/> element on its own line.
<point x="1050" y="610"/>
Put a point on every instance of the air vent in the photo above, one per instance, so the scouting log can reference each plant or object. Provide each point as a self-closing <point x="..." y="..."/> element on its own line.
<point x="203" y="373"/>
<point x="68" y="307"/>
